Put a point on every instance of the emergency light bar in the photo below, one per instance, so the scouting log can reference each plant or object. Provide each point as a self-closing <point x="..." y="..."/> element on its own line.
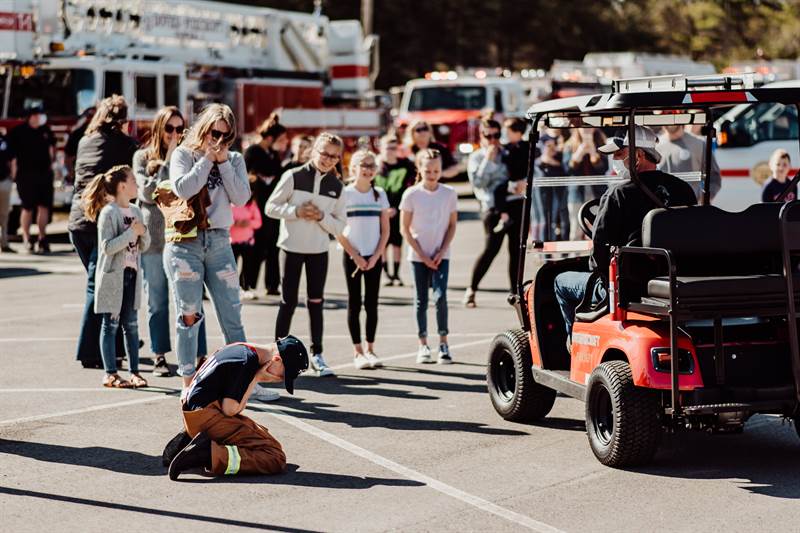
<point x="681" y="83"/>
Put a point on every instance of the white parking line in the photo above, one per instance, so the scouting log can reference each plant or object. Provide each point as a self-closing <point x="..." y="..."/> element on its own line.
<point x="409" y="473"/>
<point x="149" y="399"/>
<point x="251" y="338"/>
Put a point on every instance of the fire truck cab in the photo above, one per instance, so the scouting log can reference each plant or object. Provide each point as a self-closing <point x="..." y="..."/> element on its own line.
<point x="452" y="103"/>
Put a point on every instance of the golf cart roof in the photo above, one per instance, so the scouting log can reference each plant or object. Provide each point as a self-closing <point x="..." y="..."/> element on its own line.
<point x="668" y="93"/>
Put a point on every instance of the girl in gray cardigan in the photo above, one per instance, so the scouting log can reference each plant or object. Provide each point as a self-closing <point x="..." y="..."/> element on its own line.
<point x="121" y="237"/>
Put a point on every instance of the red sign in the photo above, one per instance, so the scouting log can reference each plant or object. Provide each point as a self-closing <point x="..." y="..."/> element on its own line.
<point x="16" y="21"/>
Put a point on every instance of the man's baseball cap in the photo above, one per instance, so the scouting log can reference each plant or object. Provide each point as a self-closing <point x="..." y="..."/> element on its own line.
<point x="295" y="360"/>
<point x="646" y="140"/>
<point x="33" y="110"/>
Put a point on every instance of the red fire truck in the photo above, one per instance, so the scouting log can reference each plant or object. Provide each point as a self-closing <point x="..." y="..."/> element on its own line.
<point x="66" y="55"/>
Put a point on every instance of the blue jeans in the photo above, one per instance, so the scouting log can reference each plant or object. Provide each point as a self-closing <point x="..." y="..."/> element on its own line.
<point x="425" y="278"/>
<point x="570" y="289"/>
<point x="157" y="287"/>
<point x="206" y="259"/>
<point x="126" y="319"/>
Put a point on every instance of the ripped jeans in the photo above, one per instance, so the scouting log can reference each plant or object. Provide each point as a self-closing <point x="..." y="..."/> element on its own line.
<point x="206" y="259"/>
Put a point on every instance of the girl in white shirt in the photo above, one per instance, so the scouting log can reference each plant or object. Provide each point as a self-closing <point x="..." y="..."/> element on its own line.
<point x="428" y="214"/>
<point x="364" y="242"/>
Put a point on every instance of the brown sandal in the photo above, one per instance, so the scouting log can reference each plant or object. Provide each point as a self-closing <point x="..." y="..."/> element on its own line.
<point x="137" y="381"/>
<point x="114" y="381"/>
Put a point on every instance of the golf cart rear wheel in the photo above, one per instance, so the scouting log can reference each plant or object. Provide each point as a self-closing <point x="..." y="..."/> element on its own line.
<point x="622" y="421"/>
<point x="515" y="394"/>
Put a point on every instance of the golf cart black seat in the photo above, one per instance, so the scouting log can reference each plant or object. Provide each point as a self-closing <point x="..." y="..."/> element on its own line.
<point x="725" y="263"/>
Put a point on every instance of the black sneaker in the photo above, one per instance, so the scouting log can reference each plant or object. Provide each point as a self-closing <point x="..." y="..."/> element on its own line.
<point x="196" y="454"/>
<point x="175" y="445"/>
<point x="161" y="368"/>
<point x="399" y="281"/>
<point x="7" y="250"/>
<point x="44" y="246"/>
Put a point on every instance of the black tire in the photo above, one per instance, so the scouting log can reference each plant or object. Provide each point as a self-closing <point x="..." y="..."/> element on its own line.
<point x="622" y="421"/>
<point x="515" y="394"/>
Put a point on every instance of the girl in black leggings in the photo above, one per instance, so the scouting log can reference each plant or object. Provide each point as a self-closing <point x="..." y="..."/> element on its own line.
<point x="364" y="241"/>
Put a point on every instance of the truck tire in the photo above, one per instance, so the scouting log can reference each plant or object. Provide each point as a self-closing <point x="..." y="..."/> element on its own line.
<point x="514" y="393"/>
<point x="622" y="420"/>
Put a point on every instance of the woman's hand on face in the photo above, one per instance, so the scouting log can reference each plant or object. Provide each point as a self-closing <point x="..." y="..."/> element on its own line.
<point x="222" y="153"/>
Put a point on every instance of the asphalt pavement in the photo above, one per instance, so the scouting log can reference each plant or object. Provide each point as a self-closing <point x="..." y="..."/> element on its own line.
<point x="405" y="448"/>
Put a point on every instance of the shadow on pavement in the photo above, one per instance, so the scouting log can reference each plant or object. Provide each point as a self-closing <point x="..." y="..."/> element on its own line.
<point x="316" y="411"/>
<point x="122" y="461"/>
<point x="359" y="386"/>
<point x="298" y="478"/>
<point x="14" y="272"/>
<point x="148" y="510"/>
<point x="762" y="461"/>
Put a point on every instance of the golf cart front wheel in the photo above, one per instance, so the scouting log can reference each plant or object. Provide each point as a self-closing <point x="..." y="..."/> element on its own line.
<point x="514" y="393"/>
<point x="622" y="421"/>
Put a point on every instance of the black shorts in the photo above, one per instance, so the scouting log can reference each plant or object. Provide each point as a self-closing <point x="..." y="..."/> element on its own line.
<point x="395" y="237"/>
<point x="35" y="193"/>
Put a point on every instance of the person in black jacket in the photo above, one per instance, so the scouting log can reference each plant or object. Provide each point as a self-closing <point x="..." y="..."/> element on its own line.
<point x="104" y="145"/>
<point x="620" y="215"/>
<point x="263" y="163"/>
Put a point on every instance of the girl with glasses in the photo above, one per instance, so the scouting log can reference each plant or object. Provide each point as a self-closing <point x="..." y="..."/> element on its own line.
<point x="309" y="202"/>
<point x="364" y="242"/>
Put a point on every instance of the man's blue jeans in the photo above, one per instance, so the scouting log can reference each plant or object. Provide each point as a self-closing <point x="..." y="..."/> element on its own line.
<point x="206" y="259"/>
<point x="570" y="288"/>
<point x="424" y="280"/>
<point x="157" y="289"/>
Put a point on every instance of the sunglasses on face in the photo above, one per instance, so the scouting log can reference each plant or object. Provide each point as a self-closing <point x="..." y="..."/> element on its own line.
<point x="169" y="128"/>
<point x="217" y="135"/>
<point x="368" y="166"/>
<point x="491" y="136"/>
<point x="421" y="129"/>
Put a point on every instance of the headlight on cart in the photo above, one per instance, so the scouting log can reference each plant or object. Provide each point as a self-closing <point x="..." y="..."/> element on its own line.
<point x="662" y="360"/>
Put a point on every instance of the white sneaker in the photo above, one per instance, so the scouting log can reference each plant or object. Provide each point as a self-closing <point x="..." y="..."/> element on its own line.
<point x="263" y="394"/>
<point x="444" y="355"/>
<point x="374" y="362"/>
<point x="318" y="363"/>
<point x="361" y="362"/>
<point x="424" y="355"/>
<point x="248" y="295"/>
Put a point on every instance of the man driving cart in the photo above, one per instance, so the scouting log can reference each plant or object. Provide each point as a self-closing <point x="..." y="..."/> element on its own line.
<point x="619" y="218"/>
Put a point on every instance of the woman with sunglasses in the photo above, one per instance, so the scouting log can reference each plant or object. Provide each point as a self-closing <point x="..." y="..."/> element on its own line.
<point x="309" y="201"/>
<point x="151" y="167"/>
<point x="489" y="177"/>
<point x="203" y="165"/>
<point x="420" y="137"/>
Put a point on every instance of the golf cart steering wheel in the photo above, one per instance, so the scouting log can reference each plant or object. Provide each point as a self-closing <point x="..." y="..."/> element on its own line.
<point x="586" y="216"/>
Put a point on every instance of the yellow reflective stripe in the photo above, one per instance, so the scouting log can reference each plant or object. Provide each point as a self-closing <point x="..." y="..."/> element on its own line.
<point x="234" y="460"/>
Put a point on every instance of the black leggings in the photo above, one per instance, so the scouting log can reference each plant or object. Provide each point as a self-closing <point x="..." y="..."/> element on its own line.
<point x="372" y="285"/>
<point x="494" y="241"/>
<point x="316" y="271"/>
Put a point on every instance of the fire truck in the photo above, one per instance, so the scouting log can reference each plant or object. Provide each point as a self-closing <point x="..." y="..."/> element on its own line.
<point x="453" y="103"/>
<point x="65" y="55"/>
